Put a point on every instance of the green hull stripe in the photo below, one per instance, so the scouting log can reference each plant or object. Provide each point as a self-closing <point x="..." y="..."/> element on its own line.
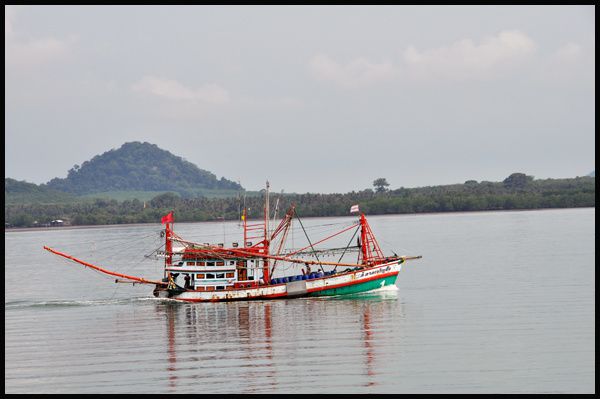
<point x="353" y="289"/>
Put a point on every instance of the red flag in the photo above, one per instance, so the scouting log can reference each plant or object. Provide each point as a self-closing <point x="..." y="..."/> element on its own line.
<point x="168" y="218"/>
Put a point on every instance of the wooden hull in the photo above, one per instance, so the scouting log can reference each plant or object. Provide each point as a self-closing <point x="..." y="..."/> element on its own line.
<point x="340" y="284"/>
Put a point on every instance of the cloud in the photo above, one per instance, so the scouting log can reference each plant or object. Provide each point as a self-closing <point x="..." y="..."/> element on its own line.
<point x="465" y="59"/>
<point x="25" y="54"/>
<point x="357" y="73"/>
<point x="9" y="15"/>
<point x="270" y="103"/>
<point x="568" y="64"/>
<point x="173" y="90"/>
<point x="569" y="52"/>
<point x="35" y="52"/>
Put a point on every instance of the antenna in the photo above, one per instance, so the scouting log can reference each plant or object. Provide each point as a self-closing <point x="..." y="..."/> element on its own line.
<point x="267" y="211"/>
<point x="276" y="211"/>
<point x="239" y="202"/>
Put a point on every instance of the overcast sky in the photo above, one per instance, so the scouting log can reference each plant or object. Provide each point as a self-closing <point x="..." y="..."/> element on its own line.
<point x="312" y="98"/>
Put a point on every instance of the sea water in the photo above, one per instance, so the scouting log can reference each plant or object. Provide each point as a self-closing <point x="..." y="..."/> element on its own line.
<point x="501" y="302"/>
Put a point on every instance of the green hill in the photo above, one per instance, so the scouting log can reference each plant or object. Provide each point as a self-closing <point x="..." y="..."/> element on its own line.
<point x="141" y="167"/>
<point x="22" y="192"/>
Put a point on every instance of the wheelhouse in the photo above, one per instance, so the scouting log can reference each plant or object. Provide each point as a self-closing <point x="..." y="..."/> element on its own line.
<point x="215" y="274"/>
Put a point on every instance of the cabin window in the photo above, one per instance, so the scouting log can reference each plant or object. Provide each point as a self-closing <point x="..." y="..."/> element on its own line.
<point x="210" y="275"/>
<point x="220" y="287"/>
<point x="200" y="275"/>
<point x="200" y="263"/>
<point x="210" y="263"/>
<point x="229" y="275"/>
<point x="231" y="263"/>
<point x="221" y="263"/>
<point x="191" y="263"/>
<point x="220" y="275"/>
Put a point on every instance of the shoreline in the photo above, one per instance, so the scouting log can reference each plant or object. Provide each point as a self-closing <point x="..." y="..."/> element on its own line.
<point x="92" y="226"/>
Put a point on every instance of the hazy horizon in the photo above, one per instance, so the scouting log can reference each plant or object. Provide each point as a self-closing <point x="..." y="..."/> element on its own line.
<point x="312" y="98"/>
<point x="354" y="189"/>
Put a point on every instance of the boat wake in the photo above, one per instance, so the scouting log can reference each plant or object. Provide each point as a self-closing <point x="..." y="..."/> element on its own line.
<point x="383" y="293"/>
<point x="386" y="288"/>
<point x="66" y="303"/>
<point x="386" y="292"/>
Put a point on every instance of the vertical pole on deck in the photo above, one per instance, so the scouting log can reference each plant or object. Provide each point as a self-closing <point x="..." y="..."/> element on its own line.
<point x="364" y="246"/>
<point x="244" y="217"/>
<point x="266" y="276"/>
<point x="168" y="246"/>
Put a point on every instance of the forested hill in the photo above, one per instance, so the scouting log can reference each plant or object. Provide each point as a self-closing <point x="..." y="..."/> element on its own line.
<point x="142" y="167"/>
<point x="20" y="192"/>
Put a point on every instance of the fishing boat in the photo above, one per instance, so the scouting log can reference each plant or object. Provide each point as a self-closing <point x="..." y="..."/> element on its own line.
<point x="204" y="272"/>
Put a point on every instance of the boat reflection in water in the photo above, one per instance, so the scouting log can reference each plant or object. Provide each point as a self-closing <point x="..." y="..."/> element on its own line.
<point x="300" y="345"/>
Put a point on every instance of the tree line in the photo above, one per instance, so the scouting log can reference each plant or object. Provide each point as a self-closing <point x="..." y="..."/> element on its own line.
<point x="518" y="191"/>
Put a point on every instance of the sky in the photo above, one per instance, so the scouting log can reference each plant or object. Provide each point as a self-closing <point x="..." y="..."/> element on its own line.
<point x="312" y="98"/>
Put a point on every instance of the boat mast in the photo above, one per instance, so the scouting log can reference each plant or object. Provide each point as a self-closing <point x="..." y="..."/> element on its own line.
<point x="266" y="276"/>
<point x="168" y="246"/>
<point x="267" y="212"/>
<point x="244" y="217"/>
<point x="371" y="252"/>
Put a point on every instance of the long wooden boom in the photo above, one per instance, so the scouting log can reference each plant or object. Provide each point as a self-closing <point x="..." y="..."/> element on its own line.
<point x="111" y="273"/>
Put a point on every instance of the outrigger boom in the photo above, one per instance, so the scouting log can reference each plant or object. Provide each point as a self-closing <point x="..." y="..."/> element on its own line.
<point x="105" y="271"/>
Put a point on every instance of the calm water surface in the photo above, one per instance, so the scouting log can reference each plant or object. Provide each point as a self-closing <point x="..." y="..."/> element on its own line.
<point x="502" y="302"/>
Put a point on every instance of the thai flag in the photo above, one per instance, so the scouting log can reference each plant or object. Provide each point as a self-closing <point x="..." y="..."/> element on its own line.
<point x="354" y="209"/>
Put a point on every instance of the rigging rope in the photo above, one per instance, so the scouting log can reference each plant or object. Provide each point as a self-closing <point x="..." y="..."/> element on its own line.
<point x="316" y="256"/>
<point x="349" y="242"/>
<point x="308" y="228"/>
<point x="123" y="247"/>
